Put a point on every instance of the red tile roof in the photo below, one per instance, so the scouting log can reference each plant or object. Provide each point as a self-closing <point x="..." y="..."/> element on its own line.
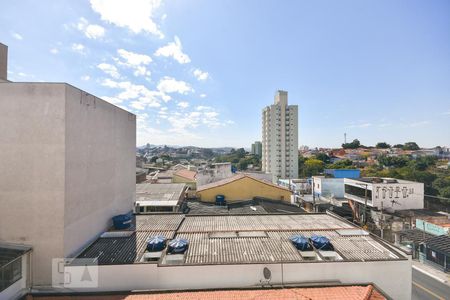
<point x="317" y="293"/>
<point x="186" y="174"/>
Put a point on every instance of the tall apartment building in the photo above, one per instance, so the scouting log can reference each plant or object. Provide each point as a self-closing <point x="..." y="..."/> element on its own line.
<point x="67" y="161"/>
<point x="280" y="138"/>
<point x="257" y="148"/>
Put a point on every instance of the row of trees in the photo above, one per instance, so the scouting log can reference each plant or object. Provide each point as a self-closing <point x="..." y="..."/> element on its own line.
<point x="355" y="144"/>
<point x="240" y="159"/>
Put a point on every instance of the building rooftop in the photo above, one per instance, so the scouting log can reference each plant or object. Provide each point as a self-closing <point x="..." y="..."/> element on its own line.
<point x="188" y="174"/>
<point x="241" y="239"/>
<point x="439" y="243"/>
<point x="235" y="178"/>
<point x="381" y="180"/>
<point x="251" y="207"/>
<point x="414" y="235"/>
<point x="354" y="292"/>
<point x="159" y="194"/>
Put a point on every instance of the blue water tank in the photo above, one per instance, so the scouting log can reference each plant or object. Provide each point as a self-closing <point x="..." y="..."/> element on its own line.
<point x="156" y="243"/>
<point x="301" y="243"/>
<point x="220" y="200"/>
<point x="178" y="246"/>
<point x="122" y="222"/>
<point x="321" y="242"/>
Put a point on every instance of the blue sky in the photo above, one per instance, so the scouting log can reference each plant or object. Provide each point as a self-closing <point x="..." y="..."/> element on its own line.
<point x="199" y="72"/>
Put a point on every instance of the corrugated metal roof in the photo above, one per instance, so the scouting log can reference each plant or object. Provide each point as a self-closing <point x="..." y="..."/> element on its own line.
<point x="262" y="222"/>
<point x="235" y="239"/>
<point x="121" y="250"/>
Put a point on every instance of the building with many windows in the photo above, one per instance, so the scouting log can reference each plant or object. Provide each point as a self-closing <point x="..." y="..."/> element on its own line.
<point x="280" y="138"/>
<point x="257" y="148"/>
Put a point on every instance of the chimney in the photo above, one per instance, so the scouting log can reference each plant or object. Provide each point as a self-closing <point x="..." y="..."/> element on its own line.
<point x="3" y="62"/>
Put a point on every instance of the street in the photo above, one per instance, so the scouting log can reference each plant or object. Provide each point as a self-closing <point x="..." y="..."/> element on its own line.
<point x="425" y="287"/>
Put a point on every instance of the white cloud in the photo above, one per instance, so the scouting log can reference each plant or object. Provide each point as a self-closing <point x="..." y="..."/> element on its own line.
<point x="203" y="108"/>
<point x="200" y="75"/>
<point x="16" y="36"/>
<point x="417" y="124"/>
<point x="79" y="48"/>
<point x="446" y="113"/>
<point x="175" y="50"/>
<point x="54" y="51"/>
<point x="136" y="15"/>
<point x="183" y="104"/>
<point x="85" y="77"/>
<point x="91" y="31"/>
<point x="171" y="85"/>
<point x="361" y="125"/>
<point x="112" y="100"/>
<point x="202" y="95"/>
<point x="135" y="61"/>
<point x="137" y="93"/>
<point x="109" y="69"/>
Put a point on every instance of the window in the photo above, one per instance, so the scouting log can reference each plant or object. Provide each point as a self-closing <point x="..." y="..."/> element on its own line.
<point x="358" y="191"/>
<point x="10" y="273"/>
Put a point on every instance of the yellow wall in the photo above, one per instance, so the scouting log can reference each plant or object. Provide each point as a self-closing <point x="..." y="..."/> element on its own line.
<point x="244" y="189"/>
<point x="191" y="184"/>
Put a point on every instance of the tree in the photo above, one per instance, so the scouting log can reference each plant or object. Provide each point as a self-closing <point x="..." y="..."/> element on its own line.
<point x="399" y="146"/>
<point x="342" y="164"/>
<point x="445" y="192"/>
<point x="383" y="145"/>
<point x="313" y="167"/>
<point x="392" y="161"/>
<point x="243" y="164"/>
<point x="411" y="146"/>
<point x="355" y="144"/>
<point x="301" y="166"/>
<point x="323" y="157"/>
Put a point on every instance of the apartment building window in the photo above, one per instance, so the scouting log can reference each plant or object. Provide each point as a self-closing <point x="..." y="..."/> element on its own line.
<point x="10" y="273"/>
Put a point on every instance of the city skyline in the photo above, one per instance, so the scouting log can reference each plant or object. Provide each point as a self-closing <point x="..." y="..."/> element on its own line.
<point x="194" y="78"/>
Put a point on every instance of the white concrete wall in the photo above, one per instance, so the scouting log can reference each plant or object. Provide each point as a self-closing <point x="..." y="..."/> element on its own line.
<point x="392" y="277"/>
<point x="395" y="196"/>
<point x="100" y="166"/>
<point x="32" y="177"/>
<point x="68" y="166"/>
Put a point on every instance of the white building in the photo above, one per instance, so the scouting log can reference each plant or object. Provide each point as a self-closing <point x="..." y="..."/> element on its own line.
<point x="280" y="138"/>
<point x="257" y="148"/>
<point x="387" y="193"/>
<point x="233" y="251"/>
<point x="67" y="161"/>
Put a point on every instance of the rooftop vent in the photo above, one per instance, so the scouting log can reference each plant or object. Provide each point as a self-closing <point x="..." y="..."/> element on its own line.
<point x="178" y="246"/>
<point x="156" y="243"/>
<point x="321" y="243"/>
<point x="301" y="243"/>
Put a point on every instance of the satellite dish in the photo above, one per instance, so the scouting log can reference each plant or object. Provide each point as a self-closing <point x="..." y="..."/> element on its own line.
<point x="267" y="273"/>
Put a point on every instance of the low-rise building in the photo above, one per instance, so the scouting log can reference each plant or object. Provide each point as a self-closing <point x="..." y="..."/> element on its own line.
<point x="388" y="194"/>
<point x="186" y="176"/>
<point x="160" y="197"/>
<point x="435" y="251"/>
<point x="242" y="187"/>
<point x="244" y="251"/>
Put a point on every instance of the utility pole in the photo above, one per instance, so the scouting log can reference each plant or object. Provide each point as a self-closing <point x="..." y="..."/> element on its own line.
<point x="365" y="206"/>
<point x="381" y="220"/>
<point x="314" y="195"/>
